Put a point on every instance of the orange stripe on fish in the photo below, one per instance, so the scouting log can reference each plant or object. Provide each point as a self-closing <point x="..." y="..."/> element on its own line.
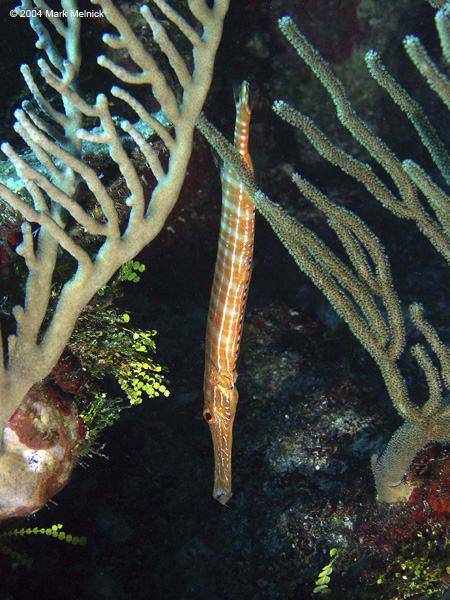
<point x="227" y="305"/>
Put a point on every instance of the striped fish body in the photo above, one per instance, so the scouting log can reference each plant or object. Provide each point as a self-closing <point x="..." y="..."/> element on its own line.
<point x="227" y="306"/>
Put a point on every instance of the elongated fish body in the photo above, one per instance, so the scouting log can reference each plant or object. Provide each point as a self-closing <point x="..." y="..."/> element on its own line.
<point x="227" y="305"/>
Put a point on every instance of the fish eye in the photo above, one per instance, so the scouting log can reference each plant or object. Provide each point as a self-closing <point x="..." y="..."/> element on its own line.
<point x="209" y="416"/>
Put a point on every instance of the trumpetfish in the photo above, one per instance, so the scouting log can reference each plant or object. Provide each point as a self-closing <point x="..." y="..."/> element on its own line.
<point x="227" y="304"/>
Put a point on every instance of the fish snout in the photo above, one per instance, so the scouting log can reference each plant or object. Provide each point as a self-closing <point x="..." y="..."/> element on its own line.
<point x="221" y="493"/>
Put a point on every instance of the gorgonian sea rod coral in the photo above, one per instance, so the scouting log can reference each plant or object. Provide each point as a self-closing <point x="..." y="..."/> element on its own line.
<point x="53" y="177"/>
<point x="360" y="287"/>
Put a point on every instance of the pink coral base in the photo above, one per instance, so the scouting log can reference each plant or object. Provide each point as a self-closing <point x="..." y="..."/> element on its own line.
<point x="41" y="445"/>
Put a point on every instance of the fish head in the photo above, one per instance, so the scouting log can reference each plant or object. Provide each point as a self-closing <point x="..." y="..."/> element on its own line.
<point x="219" y="412"/>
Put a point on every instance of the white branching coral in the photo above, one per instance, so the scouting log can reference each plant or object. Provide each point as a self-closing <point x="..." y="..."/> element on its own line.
<point x="55" y="136"/>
